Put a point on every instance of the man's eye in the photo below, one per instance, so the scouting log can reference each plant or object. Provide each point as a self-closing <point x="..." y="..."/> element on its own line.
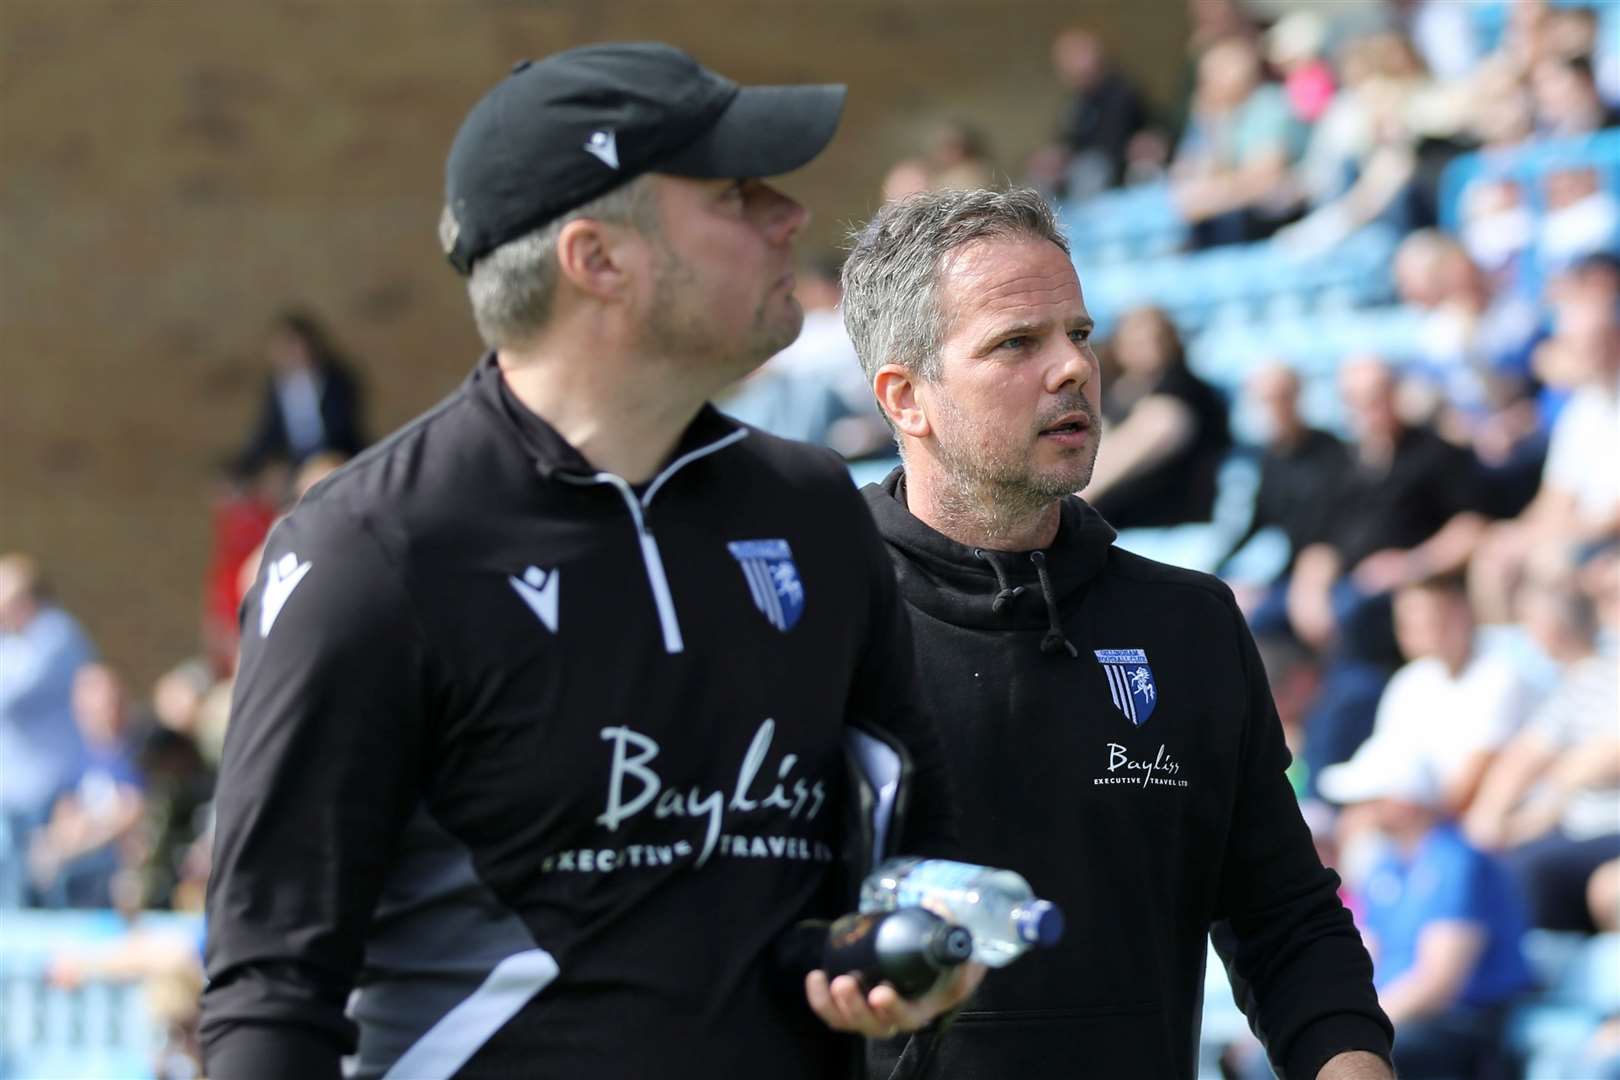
<point x="1017" y="342"/>
<point x="1080" y="337"/>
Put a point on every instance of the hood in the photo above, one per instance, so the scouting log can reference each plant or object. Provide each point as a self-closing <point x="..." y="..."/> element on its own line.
<point x="991" y="590"/>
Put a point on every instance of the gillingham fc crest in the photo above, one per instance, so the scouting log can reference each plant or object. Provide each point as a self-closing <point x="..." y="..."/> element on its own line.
<point x="1130" y="682"/>
<point x="773" y="580"/>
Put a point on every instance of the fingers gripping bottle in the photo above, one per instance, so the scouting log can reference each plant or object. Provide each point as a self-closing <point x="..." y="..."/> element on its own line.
<point x="996" y="906"/>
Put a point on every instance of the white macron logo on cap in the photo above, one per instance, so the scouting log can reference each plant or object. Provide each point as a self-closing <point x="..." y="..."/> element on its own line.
<point x="604" y="146"/>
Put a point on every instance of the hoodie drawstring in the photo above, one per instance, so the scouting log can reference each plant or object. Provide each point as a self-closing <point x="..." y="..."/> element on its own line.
<point x="1054" y="630"/>
<point x="1006" y="592"/>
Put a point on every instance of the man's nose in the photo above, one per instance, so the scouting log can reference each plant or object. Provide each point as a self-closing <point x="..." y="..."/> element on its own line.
<point x="1076" y="366"/>
<point x="786" y="218"/>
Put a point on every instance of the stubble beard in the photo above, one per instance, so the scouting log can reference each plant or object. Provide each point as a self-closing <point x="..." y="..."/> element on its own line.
<point x="682" y="326"/>
<point x="999" y="493"/>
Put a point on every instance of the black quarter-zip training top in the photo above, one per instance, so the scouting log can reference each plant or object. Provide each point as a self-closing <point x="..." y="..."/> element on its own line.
<point x="531" y="768"/>
<point x="1109" y="734"/>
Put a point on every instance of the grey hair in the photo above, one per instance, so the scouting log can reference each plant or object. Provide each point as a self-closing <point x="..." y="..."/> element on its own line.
<point x="512" y="287"/>
<point x="891" y="278"/>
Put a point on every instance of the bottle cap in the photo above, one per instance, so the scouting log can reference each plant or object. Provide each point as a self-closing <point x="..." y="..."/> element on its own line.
<point x="1041" y="923"/>
<point x="952" y="946"/>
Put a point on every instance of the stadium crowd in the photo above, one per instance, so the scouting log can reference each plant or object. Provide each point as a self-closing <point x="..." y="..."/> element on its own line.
<point x="1427" y="533"/>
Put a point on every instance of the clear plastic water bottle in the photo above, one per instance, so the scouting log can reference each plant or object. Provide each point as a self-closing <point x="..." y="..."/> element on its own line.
<point x="996" y="906"/>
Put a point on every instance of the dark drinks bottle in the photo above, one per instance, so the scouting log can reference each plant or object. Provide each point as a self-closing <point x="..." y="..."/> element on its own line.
<point x="909" y="948"/>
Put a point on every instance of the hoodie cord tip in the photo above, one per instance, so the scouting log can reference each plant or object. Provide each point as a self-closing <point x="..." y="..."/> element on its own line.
<point x="1053" y="639"/>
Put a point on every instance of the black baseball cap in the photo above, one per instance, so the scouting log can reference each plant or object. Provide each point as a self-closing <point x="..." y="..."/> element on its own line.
<point x="559" y="132"/>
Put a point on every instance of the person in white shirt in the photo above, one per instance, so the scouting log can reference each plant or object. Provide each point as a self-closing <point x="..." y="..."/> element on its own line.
<point x="1551" y="800"/>
<point x="1452" y="705"/>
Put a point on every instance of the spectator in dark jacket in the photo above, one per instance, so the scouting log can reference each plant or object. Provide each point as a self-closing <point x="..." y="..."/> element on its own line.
<point x="311" y="400"/>
<point x="1167" y="431"/>
<point x="1104" y="113"/>
<point x="1297" y="464"/>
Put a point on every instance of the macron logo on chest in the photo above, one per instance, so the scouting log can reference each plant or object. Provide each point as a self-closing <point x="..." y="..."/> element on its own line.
<point x="280" y="580"/>
<point x="538" y="588"/>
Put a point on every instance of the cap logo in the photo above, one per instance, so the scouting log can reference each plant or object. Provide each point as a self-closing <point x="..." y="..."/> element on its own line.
<point x="604" y="146"/>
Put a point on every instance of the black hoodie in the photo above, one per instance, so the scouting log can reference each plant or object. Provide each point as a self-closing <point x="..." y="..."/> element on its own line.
<point x="1144" y="831"/>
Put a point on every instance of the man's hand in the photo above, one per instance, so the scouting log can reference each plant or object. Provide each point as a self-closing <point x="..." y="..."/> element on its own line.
<point x="1356" y="1065"/>
<point x="883" y="1013"/>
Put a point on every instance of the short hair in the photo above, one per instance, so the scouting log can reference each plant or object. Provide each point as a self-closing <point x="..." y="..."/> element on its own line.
<point x="891" y="277"/>
<point x="513" y="287"/>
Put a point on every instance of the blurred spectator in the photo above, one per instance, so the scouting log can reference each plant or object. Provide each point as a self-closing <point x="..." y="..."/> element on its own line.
<point x="1572" y="31"/>
<point x="1603" y="898"/>
<point x="908" y="176"/>
<point x="1297" y="465"/>
<point x="959" y="157"/>
<point x="240" y="520"/>
<point x="168" y="965"/>
<point x="1292" y="674"/>
<point x="75" y="857"/>
<point x="1472" y="377"/>
<point x="1453" y="704"/>
<point x="1295" y="46"/>
<point x="1503" y="115"/>
<point x="1597" y="569"/>
<point x="814" y="390"/>
<point x="1404" y="511"/>
<point x="1498" y="228"/>
<point x="1578" y="501"/>
<point x="1230" y="175"/>
<point x="1551" y="800"/>
<point x="179" y="782"/>
<point x="42" y="648"/>
<point x="1527" y="37"/>
<point x="1105" y="112"/>
<point x="1441" y="919"/>
<point x="1444" y="32"/>
<point x="1166" y="430"/>
<point x="1582" y="218"/>
<point x="311" y="399"/>
<point x="1474" y="344"/>
<point x="1214" y="21"/>
<point x="1567" y="101"/>
<point x="1363" y="162"/>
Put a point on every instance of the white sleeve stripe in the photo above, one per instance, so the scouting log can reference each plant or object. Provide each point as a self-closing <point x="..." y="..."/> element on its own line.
<point x="451" y="1043"/>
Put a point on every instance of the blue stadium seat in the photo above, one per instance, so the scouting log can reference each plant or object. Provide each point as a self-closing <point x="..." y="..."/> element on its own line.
<point x="1208" y="287"/>
<point x="1581" y="980"/>
<point x="99" y="1030"/>
<point x="1312" y="342"/>
<point x="1116" y="227"/>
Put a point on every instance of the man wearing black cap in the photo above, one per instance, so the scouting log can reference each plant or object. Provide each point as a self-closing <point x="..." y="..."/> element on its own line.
<point x="528" y="829"/>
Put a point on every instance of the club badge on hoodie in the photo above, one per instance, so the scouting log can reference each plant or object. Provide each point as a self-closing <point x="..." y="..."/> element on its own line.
<point x="1130" y="681"/>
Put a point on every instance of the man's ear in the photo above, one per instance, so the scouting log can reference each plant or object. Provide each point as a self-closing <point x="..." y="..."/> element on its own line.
<point x="896" y="389"/>
<point x="591" y="257"/>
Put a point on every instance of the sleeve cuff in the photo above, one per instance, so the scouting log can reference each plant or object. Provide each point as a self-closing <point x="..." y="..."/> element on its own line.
<point x="271" y="1052"/>
<point x="1330" y="1036"/>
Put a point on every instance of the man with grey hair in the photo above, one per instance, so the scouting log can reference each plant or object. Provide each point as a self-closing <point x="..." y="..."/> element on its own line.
<point x="528" y="830"/>
<point x="1105" y="718"/>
